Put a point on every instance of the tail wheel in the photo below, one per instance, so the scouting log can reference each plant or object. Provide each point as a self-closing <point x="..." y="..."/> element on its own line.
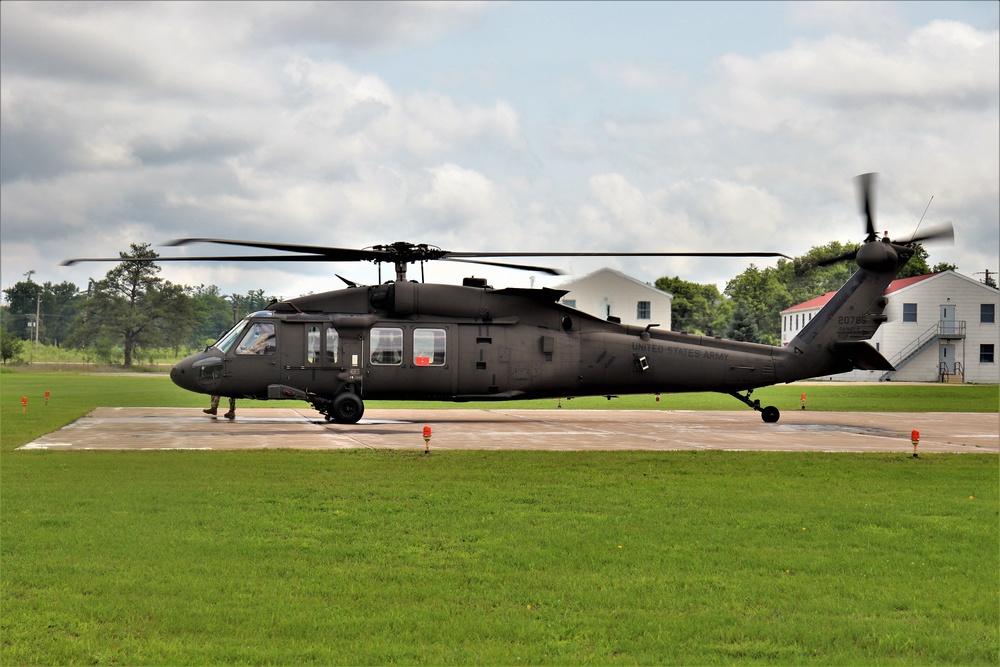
<point x="770" y="414"/>
<point x="347" y="408"/>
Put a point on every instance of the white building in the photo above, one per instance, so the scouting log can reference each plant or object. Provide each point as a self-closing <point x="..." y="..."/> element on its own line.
<point x="941" y="327"/>
<point x="608" y="293"/>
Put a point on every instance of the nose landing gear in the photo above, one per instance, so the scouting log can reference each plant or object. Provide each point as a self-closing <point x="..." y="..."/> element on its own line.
<point x="769" y="414"/>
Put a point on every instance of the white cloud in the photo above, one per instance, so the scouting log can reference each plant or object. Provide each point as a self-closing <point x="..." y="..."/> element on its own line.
<point x="336" y="124"/>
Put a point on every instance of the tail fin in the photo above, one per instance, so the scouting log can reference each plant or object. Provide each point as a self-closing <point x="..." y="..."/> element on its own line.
<point x="834" y="340"/>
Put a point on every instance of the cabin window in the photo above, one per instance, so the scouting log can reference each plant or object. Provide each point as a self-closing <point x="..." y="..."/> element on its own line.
<point x="332" y="346"/>
<point x="429" y="347"/>
<point x="260" y="340"/>
<point x="909" y="312"/>
<point x="986" y="353"/>
<point x="642" y="310"/>
<point x="312" y="345"/>
<point x="987" y="313"/>
<point x="386" y="346"/>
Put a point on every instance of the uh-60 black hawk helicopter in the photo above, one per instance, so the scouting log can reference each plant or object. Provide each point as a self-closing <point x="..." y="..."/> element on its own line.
<point x="470" y="342"/>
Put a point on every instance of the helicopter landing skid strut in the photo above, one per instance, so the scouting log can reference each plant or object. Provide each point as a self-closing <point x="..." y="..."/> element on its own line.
<point x="769" y="413"/>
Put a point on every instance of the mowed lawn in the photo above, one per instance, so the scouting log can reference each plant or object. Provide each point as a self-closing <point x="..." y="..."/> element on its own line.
<point x="373" y="557"/>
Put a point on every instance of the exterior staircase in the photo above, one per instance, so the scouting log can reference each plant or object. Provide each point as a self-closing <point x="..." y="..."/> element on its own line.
<point x="942" y="330"/>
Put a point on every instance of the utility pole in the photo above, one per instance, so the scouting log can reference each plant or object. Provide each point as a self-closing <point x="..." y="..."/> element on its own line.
<point x="987" y="280"/>
<point x="38" y="320"/>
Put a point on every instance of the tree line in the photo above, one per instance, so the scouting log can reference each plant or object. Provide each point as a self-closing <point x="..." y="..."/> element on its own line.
<point x="749" y="306"/>
<point x="133" y="309"/>
<point x="130" y="310"/>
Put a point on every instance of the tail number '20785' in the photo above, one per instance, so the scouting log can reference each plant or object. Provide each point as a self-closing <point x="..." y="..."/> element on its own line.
<point x="852" y="319"/>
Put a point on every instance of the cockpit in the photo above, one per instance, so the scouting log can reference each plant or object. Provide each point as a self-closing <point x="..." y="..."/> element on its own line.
<point x="260" y="334"/>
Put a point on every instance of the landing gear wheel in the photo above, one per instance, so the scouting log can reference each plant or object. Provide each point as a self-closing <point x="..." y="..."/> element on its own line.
<point x="770" y="414"/>
<point x="347" y="409"/>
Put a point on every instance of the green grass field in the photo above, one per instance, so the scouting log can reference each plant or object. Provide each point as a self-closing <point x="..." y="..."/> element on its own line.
<point x="374" y="557"/>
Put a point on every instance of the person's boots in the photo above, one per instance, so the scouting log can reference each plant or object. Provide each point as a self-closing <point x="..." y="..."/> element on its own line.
<point x="210" y="411"/>
<point x="230" y="415"/>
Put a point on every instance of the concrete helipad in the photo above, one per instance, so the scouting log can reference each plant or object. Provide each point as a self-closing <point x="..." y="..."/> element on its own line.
<point x="272" y="428"/>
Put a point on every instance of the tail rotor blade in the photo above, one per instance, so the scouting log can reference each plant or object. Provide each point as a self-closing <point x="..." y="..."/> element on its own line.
<point x="944" y="232"/>
<point x="866" y="201"/>
<point x="838" y="258"/>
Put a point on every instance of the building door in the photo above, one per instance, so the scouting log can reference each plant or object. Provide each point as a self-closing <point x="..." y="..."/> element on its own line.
<point x="946" y="358"/>
<point x="948" y="319"/>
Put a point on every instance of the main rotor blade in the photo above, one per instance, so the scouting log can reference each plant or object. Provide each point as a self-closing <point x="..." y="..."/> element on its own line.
<point x="220" y="258"/>
<point x="522" y="267"/>
<point x="331" y="254"/>
<point x="866" y="201"/>
<point x="451" y="255"/>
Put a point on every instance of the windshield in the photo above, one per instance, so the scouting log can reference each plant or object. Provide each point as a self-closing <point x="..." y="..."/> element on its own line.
<point x="227" y="339"/>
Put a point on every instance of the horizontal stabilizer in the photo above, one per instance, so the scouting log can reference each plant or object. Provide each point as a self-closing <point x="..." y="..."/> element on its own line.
<point x="862" y="355"/>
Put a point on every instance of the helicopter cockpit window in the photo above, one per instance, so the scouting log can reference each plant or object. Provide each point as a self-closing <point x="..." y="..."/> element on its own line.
<point x="428" y="347"/>
<point x="227" y="339"/>
<point x="260" y="340"/>
<point x="332" y="346"/>
<point x="386" y="346"/>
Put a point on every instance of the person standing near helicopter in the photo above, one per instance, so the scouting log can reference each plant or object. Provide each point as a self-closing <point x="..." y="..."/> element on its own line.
<point x="260" y="340"/>
<point x="215" y="407"/>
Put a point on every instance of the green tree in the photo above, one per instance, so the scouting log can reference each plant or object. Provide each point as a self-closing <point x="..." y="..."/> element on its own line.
<point x="55" y="304"/>
<point x="762" y="295"/>
<point x="804" y="277"/>
<point x="252" y="301"/>
<point x="744" y="327"/>
<point x="22" y="300"/>
<point x="135" y="307"/>
<point x="213" y="314"/>
<point x="696" y="307"/>
<point x="917" y="266"/>
<point x="10" y="345"/>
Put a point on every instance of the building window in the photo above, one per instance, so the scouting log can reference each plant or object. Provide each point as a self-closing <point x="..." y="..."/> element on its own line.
<point x="642" y="310"/>
<point x="386" y="346"/>
<point x="428" y="347"/>
<point x="569" y="302"/>
<point x="987" y="313"/>
<point x="986" y="353"/>
<point x="909" y="312"/>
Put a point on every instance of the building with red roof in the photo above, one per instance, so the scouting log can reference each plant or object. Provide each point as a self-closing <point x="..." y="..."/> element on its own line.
<point x="940" y="327"/>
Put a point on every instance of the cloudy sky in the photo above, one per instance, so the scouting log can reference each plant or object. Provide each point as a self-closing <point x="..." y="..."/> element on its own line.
<point x="522" y="126"/>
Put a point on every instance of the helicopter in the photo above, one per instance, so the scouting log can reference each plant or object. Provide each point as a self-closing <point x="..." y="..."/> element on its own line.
<point x="409" y="340"/>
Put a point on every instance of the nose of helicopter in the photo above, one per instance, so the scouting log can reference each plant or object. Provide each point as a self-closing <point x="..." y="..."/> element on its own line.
<point x="183" y="376"/>
<point x="199" y="373"/>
